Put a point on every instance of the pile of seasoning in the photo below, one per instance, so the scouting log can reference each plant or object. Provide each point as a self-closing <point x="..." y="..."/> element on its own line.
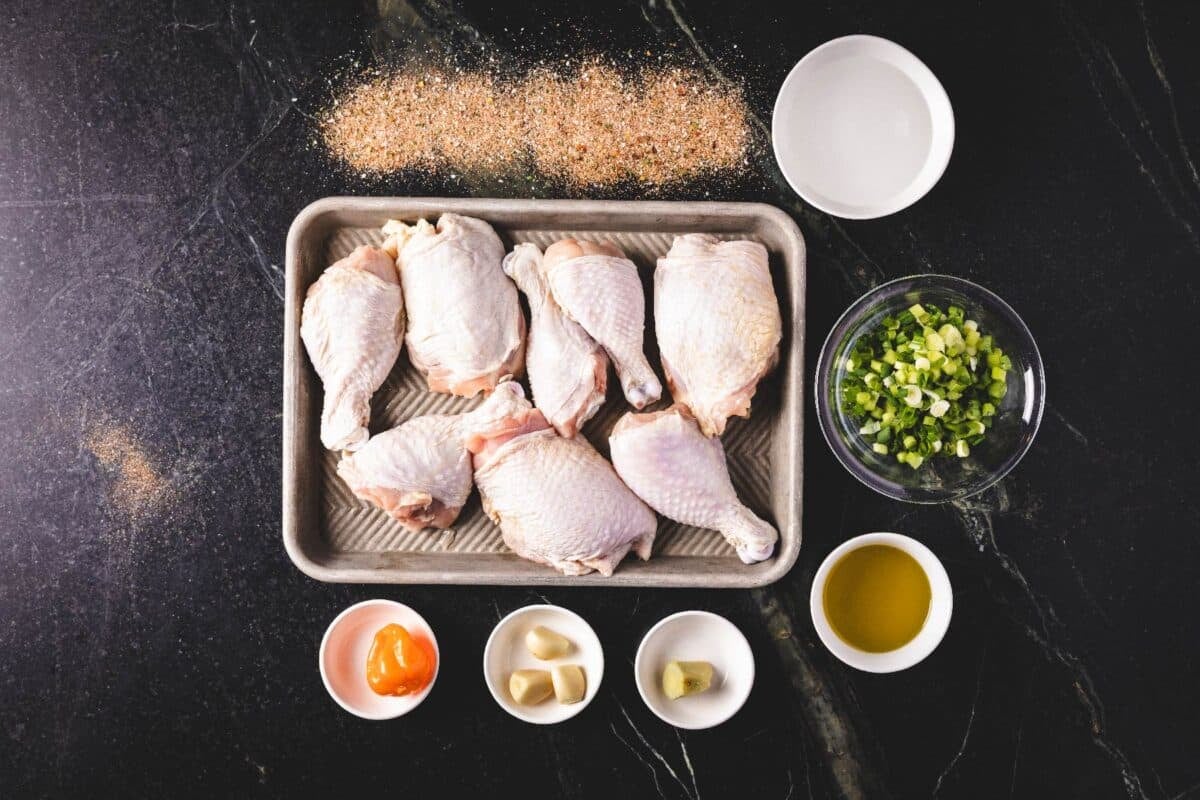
<point x="138" y="488"/>
<point x="591" y="126"/>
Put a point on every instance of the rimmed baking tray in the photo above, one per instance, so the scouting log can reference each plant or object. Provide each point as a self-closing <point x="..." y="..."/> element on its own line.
<point x="333" y="536"/>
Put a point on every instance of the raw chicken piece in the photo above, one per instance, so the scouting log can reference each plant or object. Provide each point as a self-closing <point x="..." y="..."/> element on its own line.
<point x="665" y="459"/>
<point x="420" y="471"/>
<point x="568" y="371"/>
<point x="557" y="501"/>
<point x="600" y="289"/>
<point x="465" y="328"/>
<point x="718" y="325"/>
<point x="352" y="325"/>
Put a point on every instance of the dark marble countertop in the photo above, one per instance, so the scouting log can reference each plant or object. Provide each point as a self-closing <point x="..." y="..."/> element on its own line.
<point x="155" y="640"/>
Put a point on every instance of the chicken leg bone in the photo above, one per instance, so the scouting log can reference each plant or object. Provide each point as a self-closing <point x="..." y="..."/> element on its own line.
<point x="352" y="325"/>
<point x="600" y="289"/>
<point x="668" y="462"/>
<point x="568" y="370"/>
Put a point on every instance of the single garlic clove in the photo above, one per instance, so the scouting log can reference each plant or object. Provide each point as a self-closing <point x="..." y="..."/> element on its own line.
<point x="682" y="678"/>
<point x="529" y="687"/>
<point x="570" y="684"/>
<point x="546" y="644"/>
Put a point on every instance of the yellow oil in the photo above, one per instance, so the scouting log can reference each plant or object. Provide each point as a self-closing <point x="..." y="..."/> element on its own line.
<point x="876" y="598"/>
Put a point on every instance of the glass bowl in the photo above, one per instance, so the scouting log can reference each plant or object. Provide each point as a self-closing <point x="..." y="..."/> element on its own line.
<point x="943" y="478"/>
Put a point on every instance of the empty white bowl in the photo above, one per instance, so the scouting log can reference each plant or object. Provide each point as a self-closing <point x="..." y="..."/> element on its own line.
<point x="861" y="128"/>
<point x="506" y="652"/>
<point x="695" y="636"/>
<point x="343" y="658"/>
<point x="941" y="605"/>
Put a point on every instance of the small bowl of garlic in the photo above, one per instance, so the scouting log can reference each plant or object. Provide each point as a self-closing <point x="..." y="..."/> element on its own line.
<point x="543" y="664"/>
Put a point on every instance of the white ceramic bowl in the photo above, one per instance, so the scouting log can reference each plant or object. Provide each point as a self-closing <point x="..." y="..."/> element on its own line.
<point x="941" y="604"/>
<point x="506" y="652"/>
<point x="343" y="658"/>
<point x="695" y="636"/>
<point x="861" y="128"/>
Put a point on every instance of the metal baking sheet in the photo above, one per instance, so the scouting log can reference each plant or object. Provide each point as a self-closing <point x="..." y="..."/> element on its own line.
<point x="333" y="536"/>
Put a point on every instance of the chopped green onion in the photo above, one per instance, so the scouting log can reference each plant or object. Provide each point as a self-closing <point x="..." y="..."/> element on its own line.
<point x="925" y="383"/>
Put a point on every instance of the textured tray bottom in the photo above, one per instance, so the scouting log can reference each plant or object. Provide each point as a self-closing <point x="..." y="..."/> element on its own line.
<point x="353" y="525"/>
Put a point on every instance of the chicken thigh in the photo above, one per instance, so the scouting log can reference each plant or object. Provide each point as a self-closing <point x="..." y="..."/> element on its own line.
<point x="718" y="325"/>
<point x="420" y="471"/>
<point x="465" y="328"/>
<point x="557" y="501"/>
<point x="568" y="370"/>
<point x="665" y="459"/>
<point x="352" y="325"/>
<point x="600" y="289"/>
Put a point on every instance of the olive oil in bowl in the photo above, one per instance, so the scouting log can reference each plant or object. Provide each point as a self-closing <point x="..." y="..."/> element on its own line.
<point x="877" y="598"/>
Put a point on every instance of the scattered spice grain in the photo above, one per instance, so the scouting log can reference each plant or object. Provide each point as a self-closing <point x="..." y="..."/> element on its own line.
<point x="138" y="488"/>
<point x="593" y="125"/>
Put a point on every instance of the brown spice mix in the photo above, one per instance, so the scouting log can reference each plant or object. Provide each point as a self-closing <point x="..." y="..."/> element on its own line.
<point x="138" y="487"/>
<point x="594" y="126"/>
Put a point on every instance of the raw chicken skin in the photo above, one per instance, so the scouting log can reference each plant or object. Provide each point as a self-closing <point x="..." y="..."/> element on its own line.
<point x="557" y="501"/>
<point x="568" y="371"/>
<point x="718" y="325"/>
<point x="352" y="325"/>
<point x="420" y="471"/>
<point x="465" y="327"/>
<point x="600" y="289"/>
<point x="665" y="459"/>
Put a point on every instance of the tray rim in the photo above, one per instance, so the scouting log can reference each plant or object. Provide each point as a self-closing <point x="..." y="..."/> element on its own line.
<point x="744" y="577"/>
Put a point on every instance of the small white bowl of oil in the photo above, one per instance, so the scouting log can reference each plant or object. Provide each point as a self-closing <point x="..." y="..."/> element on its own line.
<point x="881" y="602"/>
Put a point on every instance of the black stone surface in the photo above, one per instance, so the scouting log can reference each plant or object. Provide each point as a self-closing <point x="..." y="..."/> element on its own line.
<point x="152" y="156"/>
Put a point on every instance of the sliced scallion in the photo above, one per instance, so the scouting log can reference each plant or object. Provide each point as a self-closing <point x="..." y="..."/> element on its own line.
<point x="925" y="383"/>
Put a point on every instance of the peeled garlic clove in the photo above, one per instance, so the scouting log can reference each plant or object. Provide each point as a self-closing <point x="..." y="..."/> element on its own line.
<point x="569" y="683"/>
<point x="529" y="687"/>
<point x="682" y="678"/>
<point x="546" y="644"/>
